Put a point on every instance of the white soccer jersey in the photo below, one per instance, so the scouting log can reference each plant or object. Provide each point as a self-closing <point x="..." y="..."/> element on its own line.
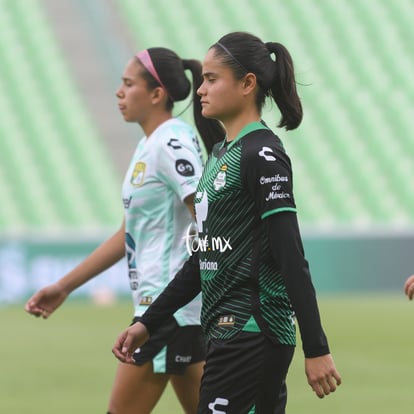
<point x="164" y="170"/>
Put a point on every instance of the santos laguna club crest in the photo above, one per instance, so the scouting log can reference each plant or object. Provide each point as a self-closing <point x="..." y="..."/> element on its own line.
<point x="137" y="177"/>
<point x="220" y="180"/>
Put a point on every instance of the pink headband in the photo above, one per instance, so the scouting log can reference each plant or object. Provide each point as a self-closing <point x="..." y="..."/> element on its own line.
<point x="146" y="60"/>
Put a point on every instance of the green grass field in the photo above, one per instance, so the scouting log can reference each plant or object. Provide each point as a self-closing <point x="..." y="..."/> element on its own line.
<point x="64" y="365"/>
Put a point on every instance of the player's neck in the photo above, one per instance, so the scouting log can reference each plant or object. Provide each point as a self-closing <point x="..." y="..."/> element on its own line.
<point x="235" y="125"/>
<point x="154" y="122"/>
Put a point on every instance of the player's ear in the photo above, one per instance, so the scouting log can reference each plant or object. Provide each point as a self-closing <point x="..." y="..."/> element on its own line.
<point x="158" y="94"/>
<point x="249" y="83"/>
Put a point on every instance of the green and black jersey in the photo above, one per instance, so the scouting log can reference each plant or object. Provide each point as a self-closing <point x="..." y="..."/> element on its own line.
<point x="243" y="182"/>
<point x="248" y="260"/>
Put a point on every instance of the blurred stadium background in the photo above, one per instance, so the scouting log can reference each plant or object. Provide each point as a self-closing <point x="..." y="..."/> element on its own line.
<point x="64" y="147"/>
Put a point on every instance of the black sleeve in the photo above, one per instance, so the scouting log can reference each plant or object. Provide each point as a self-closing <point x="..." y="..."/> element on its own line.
<point x="266" y="173"/>
<point x="182" y="289"/>
<point x="287" y="250"/>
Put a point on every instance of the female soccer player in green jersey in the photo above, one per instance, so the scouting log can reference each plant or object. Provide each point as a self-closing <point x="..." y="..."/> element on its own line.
<point x="248" y="260"/>
<point x="159" y="186"/>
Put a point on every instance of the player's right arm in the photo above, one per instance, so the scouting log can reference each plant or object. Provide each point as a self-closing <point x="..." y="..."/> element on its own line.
<point x="185" y="286"/>
<point x="129" y="340"/>
<point x="45" y="301"/>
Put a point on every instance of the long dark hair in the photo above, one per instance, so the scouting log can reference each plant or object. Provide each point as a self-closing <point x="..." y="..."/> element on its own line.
<point x="244" y="53"/>
<point x="171" y="72"/>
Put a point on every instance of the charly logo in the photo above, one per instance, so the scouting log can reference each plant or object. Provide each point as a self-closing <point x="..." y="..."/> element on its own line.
<point x="224" y="402"/>
<point x="174" y="143"/>
<point x="267" y="153"/>
<point x="137" y="177"/>
<point x="183" y="359"/>
<point x="220" y="180"/>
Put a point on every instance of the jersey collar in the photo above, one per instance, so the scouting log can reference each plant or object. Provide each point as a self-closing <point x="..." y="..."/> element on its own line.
<point x="252" y="126"/>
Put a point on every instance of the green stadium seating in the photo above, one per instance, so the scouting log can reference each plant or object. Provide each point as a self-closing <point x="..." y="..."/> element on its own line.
<point x="353" y="154"/>
<point x="54" y="174"/>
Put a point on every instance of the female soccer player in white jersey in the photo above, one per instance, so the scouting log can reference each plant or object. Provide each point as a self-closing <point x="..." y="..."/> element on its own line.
<point x="249" y="261"/>
<point x="157" y="194"/>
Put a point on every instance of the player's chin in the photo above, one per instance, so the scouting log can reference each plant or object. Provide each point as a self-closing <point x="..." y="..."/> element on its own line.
<point x="128" y="118"/>
<point x="207" y="113"/>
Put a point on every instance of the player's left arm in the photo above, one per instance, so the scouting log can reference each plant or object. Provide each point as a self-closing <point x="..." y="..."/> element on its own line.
<point x="287" y="250"/>
<point x="267" y="176"/>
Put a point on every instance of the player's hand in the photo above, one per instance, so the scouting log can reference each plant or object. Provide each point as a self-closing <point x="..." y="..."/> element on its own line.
<point x="129" y="340"/>
<point x="322" y="375"/>
<point x="409" y="287"/>
<point x="44" y="302"/>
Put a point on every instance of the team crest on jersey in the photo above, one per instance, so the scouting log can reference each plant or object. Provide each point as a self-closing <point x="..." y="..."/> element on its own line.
<point x="220" y="180"/>
<point x="137" y="177"/>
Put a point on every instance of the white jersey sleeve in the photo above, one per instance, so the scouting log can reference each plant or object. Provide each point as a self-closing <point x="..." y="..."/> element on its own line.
<point x="180" y="162"/>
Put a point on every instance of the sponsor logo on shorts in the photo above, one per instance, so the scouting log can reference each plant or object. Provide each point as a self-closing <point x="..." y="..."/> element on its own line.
<point x="226" y="320"/>
<point x="183" y="359"/>
<point x="218" y="401"/>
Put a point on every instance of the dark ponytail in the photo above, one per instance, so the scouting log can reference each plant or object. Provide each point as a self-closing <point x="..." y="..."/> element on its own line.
<point x="283" y="87"/>
<point x="244" y="53"/>
<point x="170" y="69"/>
